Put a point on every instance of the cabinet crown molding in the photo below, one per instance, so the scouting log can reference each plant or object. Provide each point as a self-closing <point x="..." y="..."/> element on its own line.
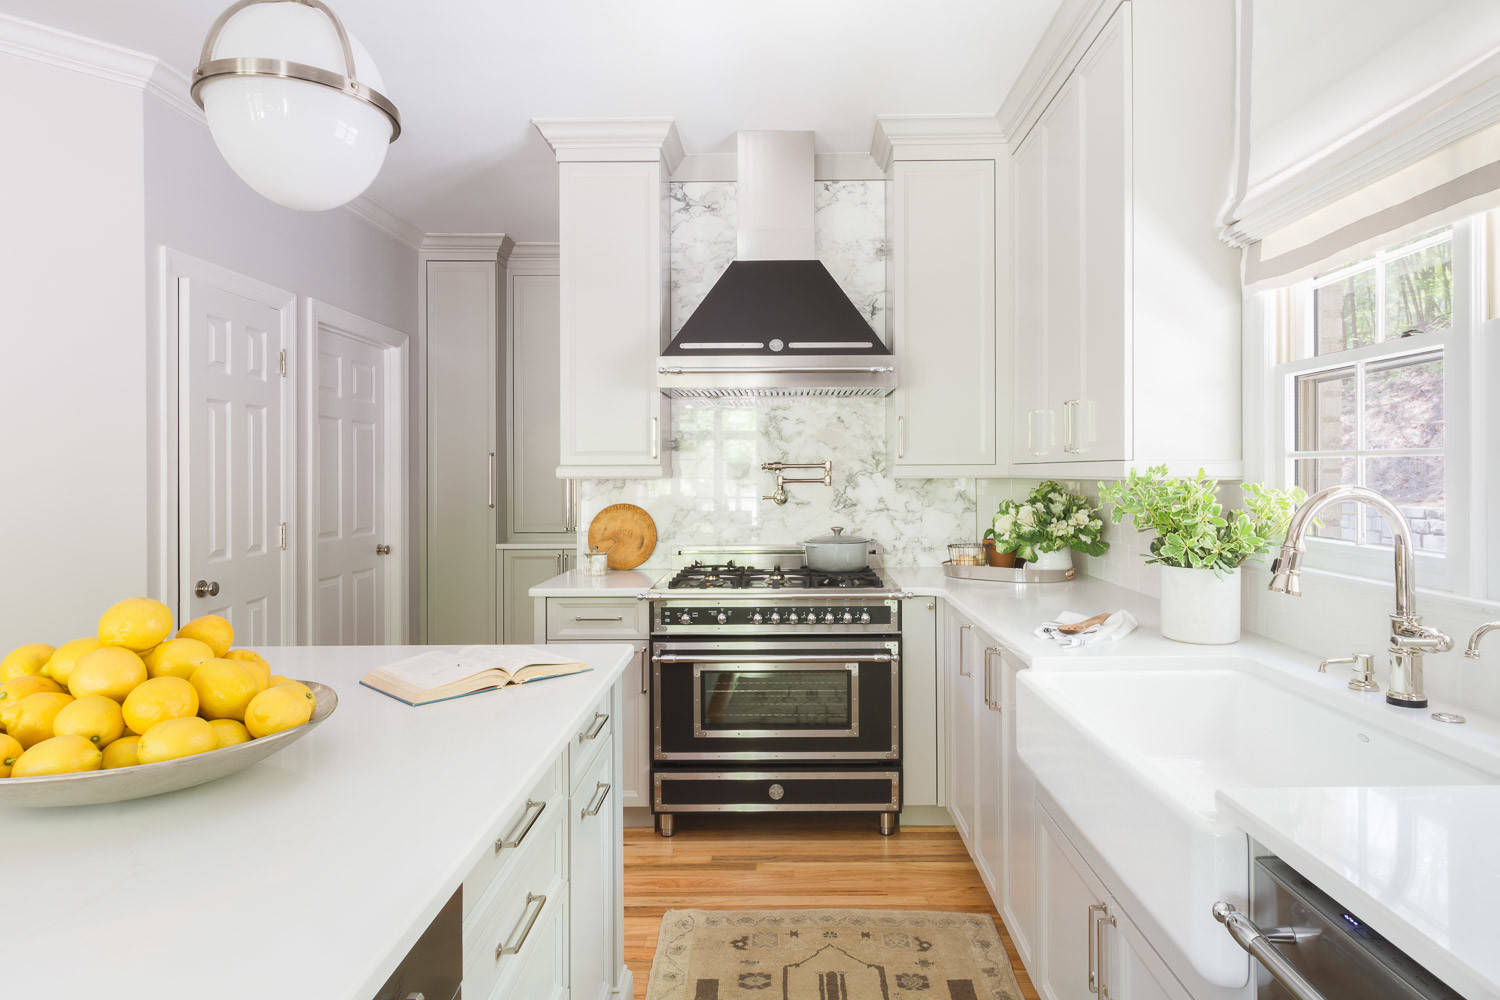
<point x="924" y="137"/>
<point x="592" y="140"/>
<point x="467" y="246"/>
<point x="1062" y="44"/>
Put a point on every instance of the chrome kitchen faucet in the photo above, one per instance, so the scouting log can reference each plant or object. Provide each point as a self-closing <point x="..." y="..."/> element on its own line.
<point x="1410" y="639"/>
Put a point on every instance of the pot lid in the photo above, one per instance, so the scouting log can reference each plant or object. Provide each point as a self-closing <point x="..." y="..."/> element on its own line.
<point x="837" y="537"/>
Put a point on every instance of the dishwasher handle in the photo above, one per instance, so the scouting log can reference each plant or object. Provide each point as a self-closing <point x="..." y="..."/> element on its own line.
<point x="1260" y="946"/>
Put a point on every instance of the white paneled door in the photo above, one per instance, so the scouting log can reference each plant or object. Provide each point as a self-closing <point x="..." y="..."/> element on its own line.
<point x="349" y="595"/>
<point x="233" y="461"/>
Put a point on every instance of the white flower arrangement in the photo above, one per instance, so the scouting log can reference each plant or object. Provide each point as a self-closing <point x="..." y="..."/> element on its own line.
<point x="1048" y="520"/>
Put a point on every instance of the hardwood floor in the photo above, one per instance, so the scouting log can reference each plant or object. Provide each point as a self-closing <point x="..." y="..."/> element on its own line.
<point x="793" y="862"/>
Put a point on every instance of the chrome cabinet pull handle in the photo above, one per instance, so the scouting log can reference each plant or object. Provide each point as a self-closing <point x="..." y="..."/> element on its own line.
<point x="900" y="437"/>
<point x="990" y="701"/>
<point x="601" y="792"/>
<point x="529" y="816"/>
<point x="645" y="679"/>
<point x="655" y="437"/>
<point x="753" y="658"/>
<point x="616" y="618"/>
<point x="492" y="481"/>
<point x="1069" y="426"/>
<point x="961" y="629"/>
<point x="601" y="719"/>
<point x="1102" y="920"/>
<point x="1258" y="944"/>
<point x="1096" y="914"/>
<point x="505" y="948"/>
<point x="1030" y="446"/>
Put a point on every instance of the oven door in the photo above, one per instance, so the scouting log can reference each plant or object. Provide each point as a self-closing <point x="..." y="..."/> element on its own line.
<point x="800" y="700"/>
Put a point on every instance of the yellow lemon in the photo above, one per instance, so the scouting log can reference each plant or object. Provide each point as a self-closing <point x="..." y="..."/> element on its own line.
<point x="27" y="659"/>
<point x="177" y="658"/>
<point x="157" y="700"/>
<point x="278" y="708"/>
<point x="137" y="623"/>
<point x="278" y="679"/>
<point x="229" y="732"/>
<point x="225" y="688"/>
<point x="62" y="662"/>
<point x="301" y="688"/>
<point x="33" y="718"/>
<point x="10" y="750"/>
<point x="176" y="738"/>
<point x="109" y="670"/>
<point x="123" y="752"/>
<point x="13" y="690"/>
<point x="212" y="630"/>
<point x="94" y="717"/>
<point x="255" y="661"/>
<point x="59" y="755"/>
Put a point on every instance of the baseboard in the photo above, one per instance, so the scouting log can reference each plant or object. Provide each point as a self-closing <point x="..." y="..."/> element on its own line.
<point x="924" y="816"/>
<point x="639" y="816"/>
<point x="624" y="983"/>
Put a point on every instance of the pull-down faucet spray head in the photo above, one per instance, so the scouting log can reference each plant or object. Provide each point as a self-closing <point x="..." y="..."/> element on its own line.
<point x="1286" y="571"/>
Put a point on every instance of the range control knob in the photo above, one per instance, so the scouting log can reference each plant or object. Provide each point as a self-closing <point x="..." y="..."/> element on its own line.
<point x="722" y="618"/>
<point x="791" y="617"/>
<point x="864" y="617"/>
<point x="848" y="618"/>
<point x="756" y="618"/>
<point x="685" y="618"/>
<point x="828" y="618"/>
<point x="776" y="617"/>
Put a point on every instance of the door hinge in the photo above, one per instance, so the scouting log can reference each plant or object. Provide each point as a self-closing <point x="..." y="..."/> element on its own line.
<point x="283" y="536"/>
<point x="283" y="374"/>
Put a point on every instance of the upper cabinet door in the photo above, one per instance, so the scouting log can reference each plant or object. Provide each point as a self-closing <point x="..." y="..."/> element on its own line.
<point x="943" y="297"/>
<point x="613" y="273"/>
<point x="538" y="500"/>
<point x="1032" y="429"/>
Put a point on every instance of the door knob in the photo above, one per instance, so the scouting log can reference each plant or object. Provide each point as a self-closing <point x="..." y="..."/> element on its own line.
<point x="206" y="588"/>
<point x="382" y="550"/>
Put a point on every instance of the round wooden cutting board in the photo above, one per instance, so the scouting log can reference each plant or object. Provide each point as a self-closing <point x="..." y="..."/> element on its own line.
<point x="626" y="532"/>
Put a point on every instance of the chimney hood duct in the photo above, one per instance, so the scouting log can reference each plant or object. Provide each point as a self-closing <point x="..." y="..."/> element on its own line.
<point x="776" y="323"/>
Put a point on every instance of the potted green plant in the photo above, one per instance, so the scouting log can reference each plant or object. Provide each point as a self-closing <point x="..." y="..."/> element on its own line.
<point x="1047" y="527"/>
<point x="1199" y="545"/>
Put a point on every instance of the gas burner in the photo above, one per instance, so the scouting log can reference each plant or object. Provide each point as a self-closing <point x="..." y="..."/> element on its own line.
<point x="729" y="576"/>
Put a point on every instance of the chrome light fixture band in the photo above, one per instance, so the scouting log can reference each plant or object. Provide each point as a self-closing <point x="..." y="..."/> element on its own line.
<point x="212" y="69"/>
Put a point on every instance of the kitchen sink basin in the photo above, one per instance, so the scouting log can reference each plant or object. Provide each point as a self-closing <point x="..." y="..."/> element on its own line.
<point x="1135" y="756"/>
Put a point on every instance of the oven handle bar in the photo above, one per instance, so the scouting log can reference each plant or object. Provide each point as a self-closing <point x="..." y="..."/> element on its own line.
<point x="1258" y="943"/>
<point x="723" y="595"/>
<point x="851" y="655"/>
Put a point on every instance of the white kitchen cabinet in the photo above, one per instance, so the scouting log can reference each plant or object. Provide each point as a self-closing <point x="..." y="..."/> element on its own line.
<point x="461" y="291"/>
<point x="521" y="568"/>
<point x="947" y="205"/>
<point x="613" y="272"/>
<point x="593" y="854"/>
<point x="960" y="692"/>
<point x="539" y="506"/>
<point x="1021" y="890"/>
<point x="1127" y="307"/>
<point x="920" y="770"/>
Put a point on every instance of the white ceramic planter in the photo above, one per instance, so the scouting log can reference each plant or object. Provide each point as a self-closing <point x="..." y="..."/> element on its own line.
<point x="1061" y="559"/>
<point x="1199" y="605"/>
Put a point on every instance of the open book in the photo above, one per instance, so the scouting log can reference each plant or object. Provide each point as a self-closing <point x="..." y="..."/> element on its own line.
<point x="444" y="674"/>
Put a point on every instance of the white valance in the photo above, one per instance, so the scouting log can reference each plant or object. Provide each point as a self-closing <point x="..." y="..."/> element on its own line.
<point x="1355" y="114"/>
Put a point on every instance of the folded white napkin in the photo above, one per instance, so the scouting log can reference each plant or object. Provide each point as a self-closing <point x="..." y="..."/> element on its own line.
<point x="1116" y="626"/>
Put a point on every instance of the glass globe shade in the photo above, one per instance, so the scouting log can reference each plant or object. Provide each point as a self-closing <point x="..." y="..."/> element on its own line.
<point x="300" y="144"/>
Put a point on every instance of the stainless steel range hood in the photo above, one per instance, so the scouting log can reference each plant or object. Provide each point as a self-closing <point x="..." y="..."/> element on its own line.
<point x="776" y="323"/>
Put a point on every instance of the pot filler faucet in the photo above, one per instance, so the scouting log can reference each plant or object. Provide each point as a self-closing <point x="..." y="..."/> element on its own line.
<point x="1410" y="639"/>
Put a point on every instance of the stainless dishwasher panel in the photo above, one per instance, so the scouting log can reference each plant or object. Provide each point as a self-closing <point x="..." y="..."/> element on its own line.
<point x="1337" y="953"/>
<point x="432" y="970"/>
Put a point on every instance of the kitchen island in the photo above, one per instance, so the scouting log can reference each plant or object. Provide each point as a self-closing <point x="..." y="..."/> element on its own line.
<point x="312" y="873"/>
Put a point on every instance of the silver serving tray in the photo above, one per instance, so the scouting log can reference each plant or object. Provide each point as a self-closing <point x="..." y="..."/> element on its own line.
<point x="87" y="788"/>
<point x="1007" y="574"/>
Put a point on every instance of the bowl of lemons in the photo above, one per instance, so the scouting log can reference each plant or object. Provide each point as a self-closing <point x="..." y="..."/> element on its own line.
<point x="135" y="710"/>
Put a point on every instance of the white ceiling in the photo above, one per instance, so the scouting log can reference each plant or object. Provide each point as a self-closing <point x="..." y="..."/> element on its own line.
<point x="468" y="75"/>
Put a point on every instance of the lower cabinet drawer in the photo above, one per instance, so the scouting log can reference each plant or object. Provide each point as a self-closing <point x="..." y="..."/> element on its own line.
<point x="547" y="797"/>
<point x="541" y="970"/>
<point x="597" y="734"/>
<point x="500" y="930"/>
<point x="830" y="790"/>
<point x="569" y="619"/>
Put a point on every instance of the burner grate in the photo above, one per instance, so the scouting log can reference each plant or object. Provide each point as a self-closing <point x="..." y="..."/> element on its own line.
<point x="727" y="576"/>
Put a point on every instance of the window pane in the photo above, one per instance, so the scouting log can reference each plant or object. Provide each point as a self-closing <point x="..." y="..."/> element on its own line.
<point x="1415" y="484"/>
<point x="1314" y="474"/>
<point x="1419" y="291"/>
<point x="1344" y="313"/>
<point x="1327" y="404"/>
<point x="1404" y="403"/>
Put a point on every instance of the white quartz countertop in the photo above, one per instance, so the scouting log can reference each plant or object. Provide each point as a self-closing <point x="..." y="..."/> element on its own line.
<point x="1419" y="865"/>
<point x="309" y="874"/>
<point x="615" y="583"/>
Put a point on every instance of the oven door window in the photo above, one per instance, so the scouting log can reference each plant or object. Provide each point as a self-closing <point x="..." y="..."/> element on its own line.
<point x="775" y="699"/>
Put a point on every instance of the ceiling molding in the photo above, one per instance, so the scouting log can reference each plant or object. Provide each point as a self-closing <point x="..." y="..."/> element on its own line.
<point x="1071" y="31"/>
<point x="593" y="140"/>
<point x="915" y="137"/>
<point x="724" y="167"/>
<point x="467" y="246"/>
<point x="386" y="221"/>
<point x="170" y="85"/>
<point x="55" y="47"/>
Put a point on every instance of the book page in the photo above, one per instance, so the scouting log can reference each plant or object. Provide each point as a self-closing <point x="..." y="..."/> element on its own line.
<point x="426" y="671"/>
<point x="507" y="658"/>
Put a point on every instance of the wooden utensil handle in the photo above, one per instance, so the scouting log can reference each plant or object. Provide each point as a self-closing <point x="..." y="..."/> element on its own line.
<point x="1084" y="625"/>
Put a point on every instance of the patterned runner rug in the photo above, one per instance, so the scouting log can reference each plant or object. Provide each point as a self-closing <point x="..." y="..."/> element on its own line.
<point x="829" y="955"/>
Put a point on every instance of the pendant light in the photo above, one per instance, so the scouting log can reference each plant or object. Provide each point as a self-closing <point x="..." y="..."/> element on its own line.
<point x="294" y="102"/>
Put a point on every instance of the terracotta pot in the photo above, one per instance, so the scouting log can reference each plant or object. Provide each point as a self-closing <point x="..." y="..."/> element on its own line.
<point x="998" y="558"/>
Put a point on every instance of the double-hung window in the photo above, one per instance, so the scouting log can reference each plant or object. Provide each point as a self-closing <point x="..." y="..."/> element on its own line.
<point x="1371" y="390"/>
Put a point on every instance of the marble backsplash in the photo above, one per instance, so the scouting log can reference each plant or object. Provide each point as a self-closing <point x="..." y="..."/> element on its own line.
<point x="714" y="495"/>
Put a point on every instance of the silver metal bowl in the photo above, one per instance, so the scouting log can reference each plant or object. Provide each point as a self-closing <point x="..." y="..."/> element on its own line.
<point x="94" y="787"/>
